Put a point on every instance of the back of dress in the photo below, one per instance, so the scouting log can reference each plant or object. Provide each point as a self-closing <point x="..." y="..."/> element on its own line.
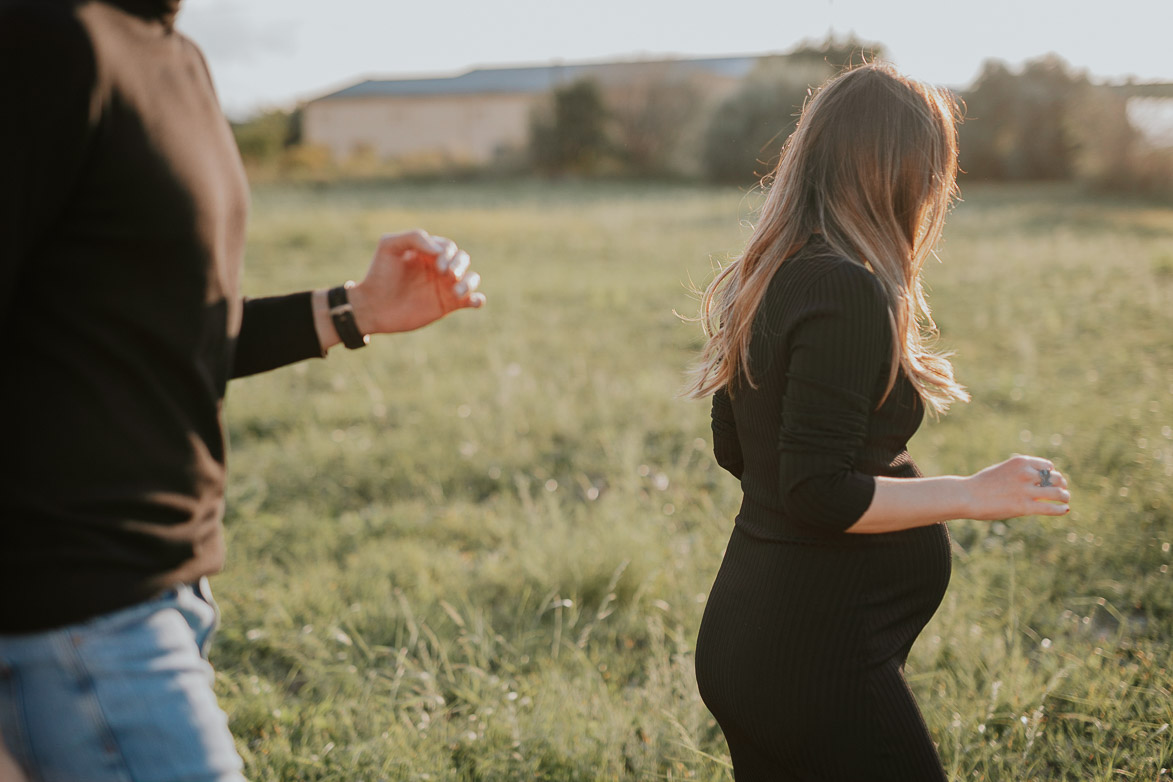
<point x="810" y="435"/>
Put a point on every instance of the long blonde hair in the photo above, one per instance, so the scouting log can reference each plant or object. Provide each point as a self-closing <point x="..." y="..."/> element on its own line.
<point x="872" y="167"/>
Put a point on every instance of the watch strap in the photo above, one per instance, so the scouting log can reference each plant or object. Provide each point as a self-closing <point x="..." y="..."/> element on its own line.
<point x="342" y="315"/>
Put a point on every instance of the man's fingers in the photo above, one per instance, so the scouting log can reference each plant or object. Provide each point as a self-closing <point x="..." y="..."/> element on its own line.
<point x="467" y="285"/>
<point x="459" y="264"/>
<point x="445" y="255"/>
<point x="417" y="239"/>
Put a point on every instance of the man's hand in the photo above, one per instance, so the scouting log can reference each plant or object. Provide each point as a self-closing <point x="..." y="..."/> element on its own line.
<point x="414" y="279"/>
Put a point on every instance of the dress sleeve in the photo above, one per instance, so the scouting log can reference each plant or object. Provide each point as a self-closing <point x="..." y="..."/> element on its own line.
<point x="839" y="350"/>
<point x="275" y="331"/>
<point x="47" y="82"/>
<point x="726" y="445"/>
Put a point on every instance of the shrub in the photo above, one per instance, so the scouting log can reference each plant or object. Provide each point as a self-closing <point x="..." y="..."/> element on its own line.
<point x="747" y="130"/>
<point x="569" y="134"/>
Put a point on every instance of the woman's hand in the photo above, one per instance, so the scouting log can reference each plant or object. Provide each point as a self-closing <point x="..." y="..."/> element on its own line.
<point x="414" y="279"/>
<point x="1016" y="488"/>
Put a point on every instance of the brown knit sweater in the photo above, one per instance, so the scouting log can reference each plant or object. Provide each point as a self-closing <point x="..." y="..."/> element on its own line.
<point x="122" y="218"/>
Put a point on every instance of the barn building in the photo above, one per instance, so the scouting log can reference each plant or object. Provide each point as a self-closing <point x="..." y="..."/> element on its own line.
<point x="478" y="115"/>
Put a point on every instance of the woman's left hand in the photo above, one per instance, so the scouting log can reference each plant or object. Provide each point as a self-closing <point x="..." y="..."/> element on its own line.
<point x="413" y="280"/>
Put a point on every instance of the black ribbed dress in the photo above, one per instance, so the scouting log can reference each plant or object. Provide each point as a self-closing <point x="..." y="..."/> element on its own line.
<point x="801" y="650"/>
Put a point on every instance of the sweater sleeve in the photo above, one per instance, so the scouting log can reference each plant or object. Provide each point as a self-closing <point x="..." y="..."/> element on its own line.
<point x="726" y="445"/>
<point x="839" y="348"/>
<point x="275" y="331"/>
<point x="47" y="80"/>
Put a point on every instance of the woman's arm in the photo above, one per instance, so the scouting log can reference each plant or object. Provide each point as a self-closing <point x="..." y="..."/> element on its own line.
<point x="726" y="443"/>
<point x="836" y="354"/>
<point x="838" y="349"/>
<point x="1001" y="491"/>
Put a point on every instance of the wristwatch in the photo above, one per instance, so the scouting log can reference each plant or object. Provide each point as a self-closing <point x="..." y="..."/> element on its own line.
<point x="342" y="314"/>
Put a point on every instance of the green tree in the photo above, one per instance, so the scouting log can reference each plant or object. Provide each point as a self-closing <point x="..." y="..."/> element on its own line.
<point x="747" y="130"/>
<point x="650" y="120"/>
<point x="569" y="135"/>
<point x="1022" y="126"/>
<point x="1109" y="152"/>
<point x="264" y="137"/>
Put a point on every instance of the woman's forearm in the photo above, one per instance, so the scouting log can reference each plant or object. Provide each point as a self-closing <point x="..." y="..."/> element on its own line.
<point x="1019" y="486"/>
<point x="902" y="503"/>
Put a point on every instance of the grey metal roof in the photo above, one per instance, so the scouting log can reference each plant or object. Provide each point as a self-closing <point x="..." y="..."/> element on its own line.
<point x="530" y="79"/>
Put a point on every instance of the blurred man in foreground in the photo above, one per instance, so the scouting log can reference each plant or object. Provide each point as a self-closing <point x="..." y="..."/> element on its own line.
<point x="122" y="225"/>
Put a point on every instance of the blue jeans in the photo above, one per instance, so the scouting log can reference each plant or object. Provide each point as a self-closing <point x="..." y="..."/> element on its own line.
<point x="125" y="697"/>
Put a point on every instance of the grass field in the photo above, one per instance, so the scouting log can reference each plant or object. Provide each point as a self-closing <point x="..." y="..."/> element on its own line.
<point x="481" y="551"/>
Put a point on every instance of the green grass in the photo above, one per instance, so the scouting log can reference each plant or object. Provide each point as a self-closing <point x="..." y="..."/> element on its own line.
<point x="481" y="551"/>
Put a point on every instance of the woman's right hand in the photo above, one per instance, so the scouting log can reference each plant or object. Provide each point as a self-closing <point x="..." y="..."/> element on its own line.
<point x="1014" y="488"/>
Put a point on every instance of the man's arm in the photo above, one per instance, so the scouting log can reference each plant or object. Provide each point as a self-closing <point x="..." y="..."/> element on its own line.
<point x="414" y="279"/>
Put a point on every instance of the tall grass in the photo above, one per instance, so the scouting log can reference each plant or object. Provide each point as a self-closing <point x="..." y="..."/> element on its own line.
<point x="481" y="551"/>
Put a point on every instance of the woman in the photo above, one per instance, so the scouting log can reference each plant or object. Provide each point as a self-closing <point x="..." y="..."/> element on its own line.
<point x="820" y="374"/>
<point x="121" y="240"/>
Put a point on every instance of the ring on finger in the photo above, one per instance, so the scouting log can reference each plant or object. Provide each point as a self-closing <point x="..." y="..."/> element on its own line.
<point x="1045" y="477"/>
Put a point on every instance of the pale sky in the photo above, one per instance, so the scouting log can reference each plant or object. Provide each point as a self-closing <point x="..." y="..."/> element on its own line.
<point x="272" y="53"/>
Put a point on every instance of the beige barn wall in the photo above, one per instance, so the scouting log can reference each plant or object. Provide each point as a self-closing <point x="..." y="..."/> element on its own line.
<point x="473" y="128"/>
<point x="465" y="128"/>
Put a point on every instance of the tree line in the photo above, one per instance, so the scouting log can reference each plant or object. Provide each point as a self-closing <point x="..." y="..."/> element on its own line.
<point x="1043" y="121"/>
